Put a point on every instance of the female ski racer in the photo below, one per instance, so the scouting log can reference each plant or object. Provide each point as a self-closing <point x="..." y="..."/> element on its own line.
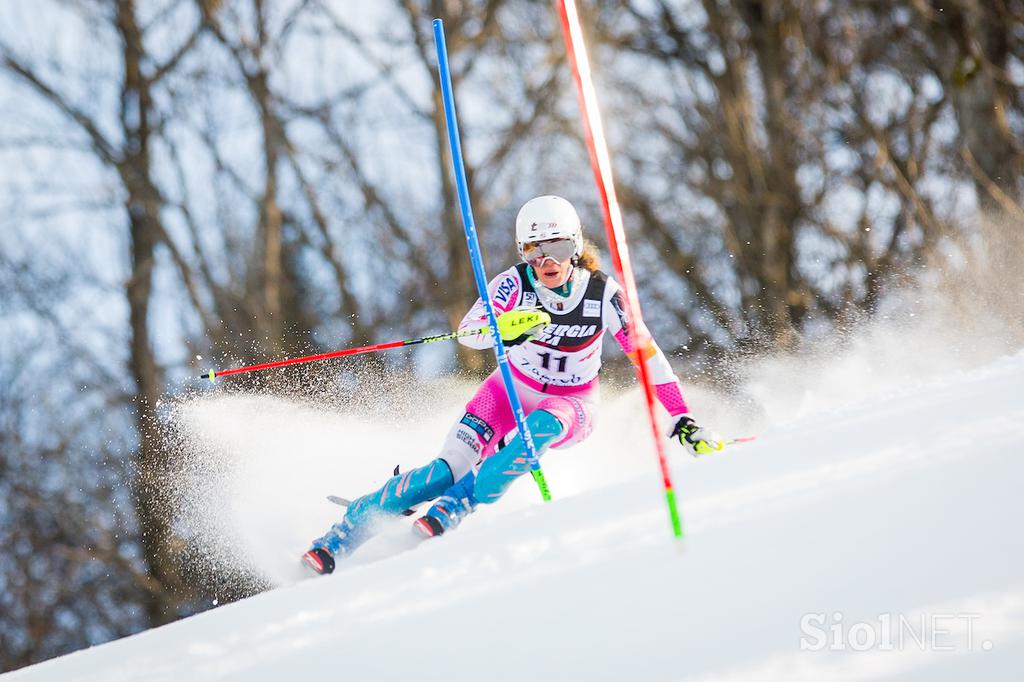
<point x="553" y="310"/>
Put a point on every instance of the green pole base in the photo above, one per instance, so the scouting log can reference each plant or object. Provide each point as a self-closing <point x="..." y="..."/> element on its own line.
<point x="673" y="513"/>
<point x="538" y="477"/>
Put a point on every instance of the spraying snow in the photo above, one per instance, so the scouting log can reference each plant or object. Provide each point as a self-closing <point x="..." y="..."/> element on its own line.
<point x="255" y="469"/>
<point x="867" y="534"/>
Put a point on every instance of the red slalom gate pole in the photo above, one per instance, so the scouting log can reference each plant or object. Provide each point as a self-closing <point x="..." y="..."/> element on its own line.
<point x="211" y="375"/>
<point x="600" y="161"/>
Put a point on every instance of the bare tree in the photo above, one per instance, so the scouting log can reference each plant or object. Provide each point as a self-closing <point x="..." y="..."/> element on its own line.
<point x="971" y="47"/>
<point x="776" y="135"/>
<point x="127" y="154"/>
<point x="247" y="179"/>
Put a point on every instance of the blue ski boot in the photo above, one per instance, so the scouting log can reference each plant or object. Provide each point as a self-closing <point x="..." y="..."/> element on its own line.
<point x="448" y="510"/>
<point x="495" y="476"/>
<point x="401" y="492"/>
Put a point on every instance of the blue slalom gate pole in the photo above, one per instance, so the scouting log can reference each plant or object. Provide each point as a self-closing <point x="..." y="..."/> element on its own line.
<point x="475" y="256"/>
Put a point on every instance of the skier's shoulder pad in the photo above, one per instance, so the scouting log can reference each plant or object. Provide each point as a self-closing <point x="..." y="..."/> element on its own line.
<point x="507" y="285"/>
<point x="599" y="276"/>
<point x="602" y="285"/>
<point x="511" y="277"/>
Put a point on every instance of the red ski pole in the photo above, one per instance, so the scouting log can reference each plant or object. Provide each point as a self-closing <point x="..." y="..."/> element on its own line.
<point x="213" y="374"/>
<point x="602" y="167"/>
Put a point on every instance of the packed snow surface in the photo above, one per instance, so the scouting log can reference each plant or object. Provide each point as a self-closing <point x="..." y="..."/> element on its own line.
<point x="872" y="531"/>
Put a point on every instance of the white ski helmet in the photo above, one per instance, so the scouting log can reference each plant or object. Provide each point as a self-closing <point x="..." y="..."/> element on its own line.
<point x="548" y="217"/>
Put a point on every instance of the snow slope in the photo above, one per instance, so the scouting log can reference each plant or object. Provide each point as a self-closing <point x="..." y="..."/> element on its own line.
<point x="885" y="487"/>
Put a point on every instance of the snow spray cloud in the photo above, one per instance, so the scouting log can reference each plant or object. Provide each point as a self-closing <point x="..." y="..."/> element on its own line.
<point x="964" y="310"/>
<point x="254" y="465"/>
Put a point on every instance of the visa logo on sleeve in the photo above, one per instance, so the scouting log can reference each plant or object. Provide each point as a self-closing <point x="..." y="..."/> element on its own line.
<point x="504" y="290"/>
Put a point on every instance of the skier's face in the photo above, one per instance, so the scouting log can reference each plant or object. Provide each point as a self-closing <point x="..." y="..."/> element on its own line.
<point x="552" y="274"/>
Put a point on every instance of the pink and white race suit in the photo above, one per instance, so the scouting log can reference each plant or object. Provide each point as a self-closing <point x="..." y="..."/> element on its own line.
<point x="557" y="370"/>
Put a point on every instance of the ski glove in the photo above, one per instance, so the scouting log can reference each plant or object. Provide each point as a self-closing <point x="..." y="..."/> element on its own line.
<point x="697" y="439"/>
<point x="519" y="326"/>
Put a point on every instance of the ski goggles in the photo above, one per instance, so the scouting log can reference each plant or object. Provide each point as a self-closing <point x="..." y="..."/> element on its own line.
<point x="558" y="250"/>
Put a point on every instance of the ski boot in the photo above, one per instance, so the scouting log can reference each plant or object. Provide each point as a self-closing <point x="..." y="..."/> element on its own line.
<point x="400" y="493"/>
<point x="448" y="510"/>
<point x="496" y="474"/>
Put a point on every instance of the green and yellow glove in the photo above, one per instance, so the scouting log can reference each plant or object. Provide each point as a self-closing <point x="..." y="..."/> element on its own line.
<point x="697" y="439"/>
<point x="519" y="326"/>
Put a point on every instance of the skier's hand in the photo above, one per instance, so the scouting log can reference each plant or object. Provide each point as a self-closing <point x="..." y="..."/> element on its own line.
<point x="697" y="439"/>
<point x="518" y="326"/>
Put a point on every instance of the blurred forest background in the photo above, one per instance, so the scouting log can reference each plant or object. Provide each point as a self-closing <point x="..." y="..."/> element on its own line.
<point x="246" y="179"/>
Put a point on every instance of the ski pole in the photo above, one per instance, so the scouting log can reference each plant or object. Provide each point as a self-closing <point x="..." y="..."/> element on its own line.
<point x="476" y="258"/>
<point x="213" y="374"/>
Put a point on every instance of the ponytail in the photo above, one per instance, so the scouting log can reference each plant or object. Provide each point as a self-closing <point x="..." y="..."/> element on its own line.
<point x="589" y="259"/>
